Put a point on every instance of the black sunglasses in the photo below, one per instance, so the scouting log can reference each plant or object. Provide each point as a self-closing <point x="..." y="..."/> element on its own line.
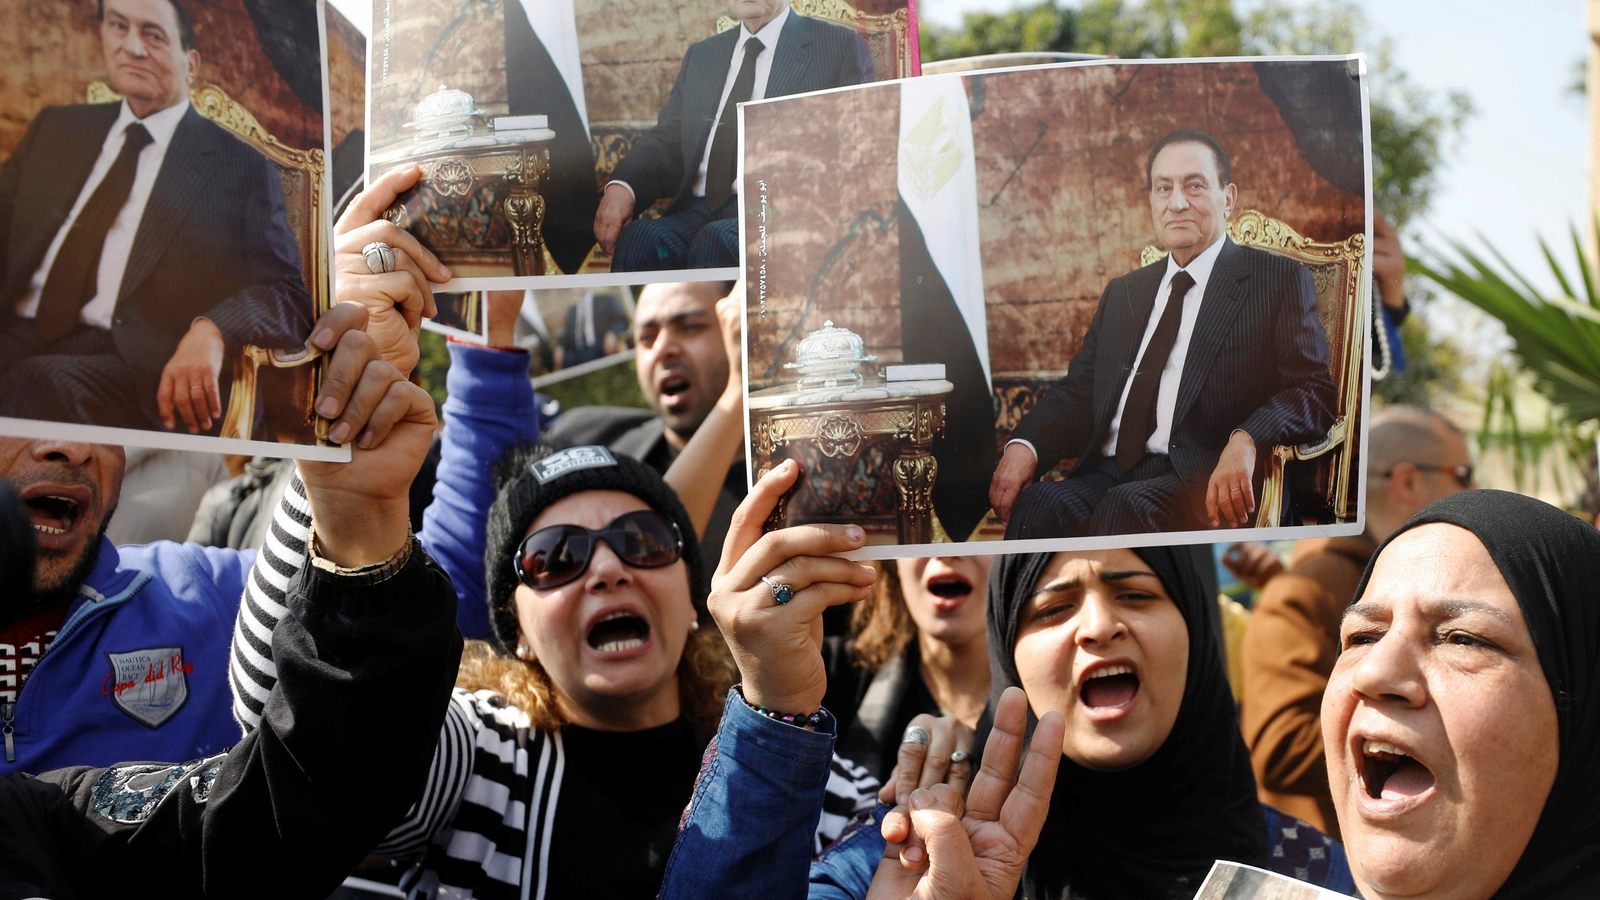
<point x="553" y="556"/>
<point x="1462" y="474"/>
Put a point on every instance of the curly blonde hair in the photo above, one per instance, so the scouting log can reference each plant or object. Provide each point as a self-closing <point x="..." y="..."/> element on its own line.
<point x="705" y="673"/>
<point x="881" y="625"/>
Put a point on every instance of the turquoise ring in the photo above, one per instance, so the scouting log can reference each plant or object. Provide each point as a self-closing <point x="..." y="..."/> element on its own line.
<point x="781" y="593"/>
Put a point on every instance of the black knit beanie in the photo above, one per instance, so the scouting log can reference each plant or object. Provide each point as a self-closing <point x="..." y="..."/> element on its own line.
<point x="533" y="476"/>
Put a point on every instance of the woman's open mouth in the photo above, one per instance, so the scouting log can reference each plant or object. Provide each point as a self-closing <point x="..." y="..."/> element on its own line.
<point x="1391" y="777"/>
<point x="619" y="632"/>
<point x="1109" y="691"/>
<point x="949" y="591"/>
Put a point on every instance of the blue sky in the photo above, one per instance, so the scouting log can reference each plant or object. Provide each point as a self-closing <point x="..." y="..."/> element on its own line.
<point x="1520" y="168"/>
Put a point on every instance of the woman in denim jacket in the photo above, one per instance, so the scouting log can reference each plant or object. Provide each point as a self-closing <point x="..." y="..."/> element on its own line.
<point x="1121" y="651"/>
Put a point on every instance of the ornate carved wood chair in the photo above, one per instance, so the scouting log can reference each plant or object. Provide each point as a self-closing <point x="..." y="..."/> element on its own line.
<point x="283" y="412"/>
<point x="1324" y="488"/>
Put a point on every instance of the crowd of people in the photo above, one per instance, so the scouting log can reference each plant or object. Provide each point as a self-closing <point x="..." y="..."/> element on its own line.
<point x="656" y="696"/>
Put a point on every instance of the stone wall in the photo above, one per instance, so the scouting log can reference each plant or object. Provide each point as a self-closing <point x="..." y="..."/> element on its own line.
<point x="1061" y="191"/>
<point x="54" y="52"/>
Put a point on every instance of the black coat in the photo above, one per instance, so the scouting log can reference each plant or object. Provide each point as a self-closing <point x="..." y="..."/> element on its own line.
<point x="1257" y="361"/>
<point x="214" y="240"/>
<point x="296" y="804"/>
<point x="812" y="55"/>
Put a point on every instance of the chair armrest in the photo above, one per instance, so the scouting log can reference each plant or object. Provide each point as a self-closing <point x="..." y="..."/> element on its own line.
<point x="1336" y="436"/>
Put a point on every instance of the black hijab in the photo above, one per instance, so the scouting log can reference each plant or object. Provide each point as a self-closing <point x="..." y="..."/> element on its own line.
<point x="1150" y="832"/>
<point x="1551" y="561"/>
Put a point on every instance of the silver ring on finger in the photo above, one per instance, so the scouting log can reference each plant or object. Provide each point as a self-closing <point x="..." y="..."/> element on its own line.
<point x="781" y="593"/>
<point x="1235" y="489"/>
<point x="916" y="734"/>
<point x="379" y="257"/>
<point x="960" y="756"/>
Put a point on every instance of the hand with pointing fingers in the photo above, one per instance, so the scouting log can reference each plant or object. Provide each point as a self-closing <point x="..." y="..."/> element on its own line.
<point x="942" y="848"/>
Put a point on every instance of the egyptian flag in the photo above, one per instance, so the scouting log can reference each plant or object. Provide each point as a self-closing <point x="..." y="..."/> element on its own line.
<point x="544" y="77"/>
<point x="941" y="289"/>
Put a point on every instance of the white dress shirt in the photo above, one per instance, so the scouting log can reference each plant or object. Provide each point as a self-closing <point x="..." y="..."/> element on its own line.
<point x="768" y="34"/>
<point x="1199" y="269"/>
<point x="119" y="239"/>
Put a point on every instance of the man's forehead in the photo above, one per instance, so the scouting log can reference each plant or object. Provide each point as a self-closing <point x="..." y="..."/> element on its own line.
<point x="154" y="12"/>
<point x="660" y="303"/>
<point x="1183" y="158"/>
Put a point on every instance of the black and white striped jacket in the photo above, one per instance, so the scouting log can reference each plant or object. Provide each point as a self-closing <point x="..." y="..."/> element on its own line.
<point x="482" y="827"/>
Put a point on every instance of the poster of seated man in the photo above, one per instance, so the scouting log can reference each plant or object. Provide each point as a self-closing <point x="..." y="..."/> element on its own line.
<point x="1115" y="301"/>
<point x="163" y="232"/>
<point x="576" y="144"/>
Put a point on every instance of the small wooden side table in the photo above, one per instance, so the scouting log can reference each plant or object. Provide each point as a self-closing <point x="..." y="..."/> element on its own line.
<point x="477" y="206"/>
<point x="837" y="420"/>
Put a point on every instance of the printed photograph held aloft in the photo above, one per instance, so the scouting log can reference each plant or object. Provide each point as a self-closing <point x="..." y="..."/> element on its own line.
<point x="164" y="216"/>
<point x="1097" y="304"/>
<point x="576" y="143"/>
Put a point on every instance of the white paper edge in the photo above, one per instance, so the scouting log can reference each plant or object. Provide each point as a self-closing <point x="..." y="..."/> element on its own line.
<point x="595" y="279"/>
<point x="166" y="440"/>
<point x="593" y="365"/>
<point x="1115" y="541"/>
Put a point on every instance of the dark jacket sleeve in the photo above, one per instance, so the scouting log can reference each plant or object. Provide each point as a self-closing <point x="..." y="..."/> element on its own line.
<point x="1061" y="423"/>
<point x="274" y="308"/>
<point x="364" y="677"/>
<point x="654" y="165"/>
<point x="1302" y="409"/>
<point x="10" y="178"/>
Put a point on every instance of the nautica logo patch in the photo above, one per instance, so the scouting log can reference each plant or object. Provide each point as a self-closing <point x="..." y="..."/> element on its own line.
<point x="149" y="685"/>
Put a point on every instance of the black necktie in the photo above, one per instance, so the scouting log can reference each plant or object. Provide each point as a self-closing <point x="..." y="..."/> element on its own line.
<point x="76" y="271"/>
<point x="1139" y="413"/>
<point x="725" y="143"/>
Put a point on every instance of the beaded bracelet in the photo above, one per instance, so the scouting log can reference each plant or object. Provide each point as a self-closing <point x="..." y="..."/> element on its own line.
<point x="799" y="721"/>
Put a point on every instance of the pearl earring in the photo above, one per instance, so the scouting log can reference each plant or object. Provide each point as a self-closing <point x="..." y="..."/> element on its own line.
<point x="694" y="626"/>
<point x="522" y="651"/>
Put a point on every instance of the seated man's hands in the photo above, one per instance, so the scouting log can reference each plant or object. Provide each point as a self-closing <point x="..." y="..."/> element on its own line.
<point x="1014" y="473"/>
<point x="778" y="647"/>
<point x="396" y="301"/>
<point x="616" y="208"/>
<point x="189" y="379"/>
<point x="925" y="765"/>
<point x="361" y="509"/>
<point x="1254" y="564"/>
<point x="1230" y="496"/>
<point x="976" y="850"/>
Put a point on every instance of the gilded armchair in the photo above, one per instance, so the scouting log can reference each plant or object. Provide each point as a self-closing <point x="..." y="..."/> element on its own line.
<point x="1339" y="270"/>
<point x="285" y="414"/>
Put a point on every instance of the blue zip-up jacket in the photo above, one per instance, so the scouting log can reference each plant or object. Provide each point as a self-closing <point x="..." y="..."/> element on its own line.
<point x="491" y="408"/>
<point x="747" y="832"/>
<point x="139" y="668"/>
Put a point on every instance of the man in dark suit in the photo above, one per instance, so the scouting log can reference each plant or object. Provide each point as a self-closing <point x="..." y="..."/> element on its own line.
<point x="1191" y="366"/>
<point x="595" y="327"/>
<point x="683" y="369"/>
<point x="691" y="154"/>
<point x="141" y="241"/>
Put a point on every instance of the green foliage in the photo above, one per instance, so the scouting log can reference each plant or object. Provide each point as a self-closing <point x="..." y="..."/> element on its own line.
<point x="433" y="363"/>
<point x="616" y="385"/>
<point x="1557" y="337"/>
<point x="1433" y="367"/>
<point x="1043" y="26"/>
